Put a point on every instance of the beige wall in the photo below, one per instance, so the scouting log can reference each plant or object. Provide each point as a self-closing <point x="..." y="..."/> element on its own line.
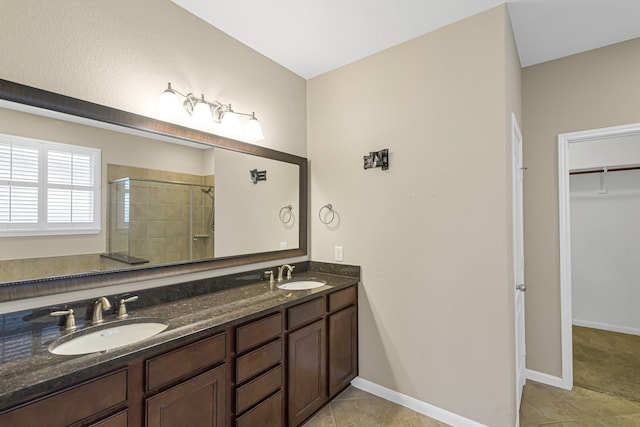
<point x="433" y="233"/>
<point x="122" y="54"/>
<point x="246" y="214"/>
<point x="590" y="90"/>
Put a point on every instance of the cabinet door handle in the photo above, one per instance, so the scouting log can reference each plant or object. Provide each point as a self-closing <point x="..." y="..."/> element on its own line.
<point x="522" y="287"/>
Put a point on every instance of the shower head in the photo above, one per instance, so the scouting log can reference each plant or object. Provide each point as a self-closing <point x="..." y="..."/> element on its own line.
<point x="208" y="191"/>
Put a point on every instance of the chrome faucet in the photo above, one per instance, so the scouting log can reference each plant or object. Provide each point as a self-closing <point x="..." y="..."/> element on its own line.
<point x="289" y="270"/>
<point x="101" y="304"/>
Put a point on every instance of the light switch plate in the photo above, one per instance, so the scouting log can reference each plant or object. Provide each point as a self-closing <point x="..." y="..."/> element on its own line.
<point x="338" y="254"/>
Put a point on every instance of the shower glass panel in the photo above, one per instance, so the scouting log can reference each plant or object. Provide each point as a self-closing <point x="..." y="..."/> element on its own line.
<point x="159" y="222"/>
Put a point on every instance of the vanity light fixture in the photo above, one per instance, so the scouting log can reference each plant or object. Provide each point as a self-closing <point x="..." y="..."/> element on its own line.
<point x="203" y="112"/>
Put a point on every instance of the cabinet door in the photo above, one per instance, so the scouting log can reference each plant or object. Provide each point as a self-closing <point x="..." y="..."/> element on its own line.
<point x="343" y="349"/>
<point x="307" y="371"/>
<point x="199" y="402"/>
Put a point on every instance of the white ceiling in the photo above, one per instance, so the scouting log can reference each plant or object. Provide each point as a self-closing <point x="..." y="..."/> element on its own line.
<point x="311" y="37"/>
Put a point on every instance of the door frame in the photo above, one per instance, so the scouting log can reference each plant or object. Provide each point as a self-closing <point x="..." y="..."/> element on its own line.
<point x="517" y="169"/>
<point x="564" y="213"/>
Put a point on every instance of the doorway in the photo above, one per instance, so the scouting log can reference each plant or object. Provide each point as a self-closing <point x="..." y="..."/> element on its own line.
<point x="566" y="274"/>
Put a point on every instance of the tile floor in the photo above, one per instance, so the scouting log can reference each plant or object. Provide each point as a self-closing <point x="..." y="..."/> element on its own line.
<point x="355" y="408"/>
<point x="547" y="406"/>
<point x="542" y="406"/>
<point x="608" y="362"/>
<point x="607" y="393"/>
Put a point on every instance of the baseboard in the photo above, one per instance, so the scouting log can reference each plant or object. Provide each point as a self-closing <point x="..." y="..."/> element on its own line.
<point x="606" y="327"/>
<point x="414" y="404"/>
<point x="546" y="379"/>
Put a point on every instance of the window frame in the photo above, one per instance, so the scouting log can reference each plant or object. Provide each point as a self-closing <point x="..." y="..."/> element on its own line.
<point x="42" y="227"/>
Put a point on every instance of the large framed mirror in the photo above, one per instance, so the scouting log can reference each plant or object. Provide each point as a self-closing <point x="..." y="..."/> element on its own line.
<point x="168" y="200"/>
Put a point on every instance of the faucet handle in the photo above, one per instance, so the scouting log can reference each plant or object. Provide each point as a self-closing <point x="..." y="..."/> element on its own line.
<point x="70" y="324"/>
<point x="269" y="274"/>
<point x="289" y="270"/>
<point x="122" y="309"/>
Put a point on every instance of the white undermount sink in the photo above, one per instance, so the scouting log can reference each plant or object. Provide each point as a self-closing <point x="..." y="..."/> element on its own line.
<point x="301" y="285"/>
<point x="107" y="336"/>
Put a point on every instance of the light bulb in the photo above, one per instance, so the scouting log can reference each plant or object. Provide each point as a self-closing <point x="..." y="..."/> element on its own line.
<point x="169" y="106"/>
<point x="202" y="113"/>
<point x="230" y="123"/>
<point x="253" y="131"/>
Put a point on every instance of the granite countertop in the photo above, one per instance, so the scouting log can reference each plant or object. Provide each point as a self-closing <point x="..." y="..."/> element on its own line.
<point x="39" y="372"/>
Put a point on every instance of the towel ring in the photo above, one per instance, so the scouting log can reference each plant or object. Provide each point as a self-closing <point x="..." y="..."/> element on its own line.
<point x="333" y="214"/>
<point x="285" y="214"/>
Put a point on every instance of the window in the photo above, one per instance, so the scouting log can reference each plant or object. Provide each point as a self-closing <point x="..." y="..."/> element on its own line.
<point x="48" y="188"/>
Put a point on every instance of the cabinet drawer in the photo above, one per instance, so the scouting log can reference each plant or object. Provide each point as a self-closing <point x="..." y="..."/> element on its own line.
<point x="258" y="332"/>
<point x="256" y="390"/>
<point x="258" y="360"/>
<point x="176" y="364"/>
<point x="304" y="313"/>
<point x="268" y="413"/>
<point x="87" y="399"/>
<point x="343" y="298"/>
<point x="117" y="420"/>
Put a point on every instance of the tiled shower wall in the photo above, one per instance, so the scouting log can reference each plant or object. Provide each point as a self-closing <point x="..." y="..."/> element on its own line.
<point x="159" y="227"/>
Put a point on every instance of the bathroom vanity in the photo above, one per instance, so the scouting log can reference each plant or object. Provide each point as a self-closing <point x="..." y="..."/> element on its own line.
<point x="244" y="355"/>
<point x="237" y="350"/>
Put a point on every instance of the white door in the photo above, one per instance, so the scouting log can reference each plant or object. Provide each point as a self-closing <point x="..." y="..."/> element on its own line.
<point x="518" y="256"/>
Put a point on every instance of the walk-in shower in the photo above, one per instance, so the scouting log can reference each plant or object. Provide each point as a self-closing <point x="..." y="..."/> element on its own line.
<point x="159" y="222"/>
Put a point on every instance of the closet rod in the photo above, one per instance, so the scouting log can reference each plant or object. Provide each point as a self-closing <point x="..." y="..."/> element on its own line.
<point x="630" y="168"/>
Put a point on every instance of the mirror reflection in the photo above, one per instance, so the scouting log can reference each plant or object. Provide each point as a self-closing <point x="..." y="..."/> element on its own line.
<point x="159" y="217"/>
<point x="160" y="202"/>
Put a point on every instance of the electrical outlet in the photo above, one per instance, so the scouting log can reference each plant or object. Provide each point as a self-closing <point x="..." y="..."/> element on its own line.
<point x="283" y="245"/>
<point x="338" y="254"/>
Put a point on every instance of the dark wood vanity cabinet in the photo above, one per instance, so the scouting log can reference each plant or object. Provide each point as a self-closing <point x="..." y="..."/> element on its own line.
<point x="322" y="351"/>
<point x="314" y="344"/>
<point x="274" y="371"/>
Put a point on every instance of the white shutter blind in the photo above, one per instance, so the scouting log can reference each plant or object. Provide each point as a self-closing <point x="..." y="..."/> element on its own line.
<point x="48" y="188"/>
<point x="83" y="178"/>
<point x="70" y="178"/>
<point x="5" y="175"/>
<point x="19" y="173"/>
